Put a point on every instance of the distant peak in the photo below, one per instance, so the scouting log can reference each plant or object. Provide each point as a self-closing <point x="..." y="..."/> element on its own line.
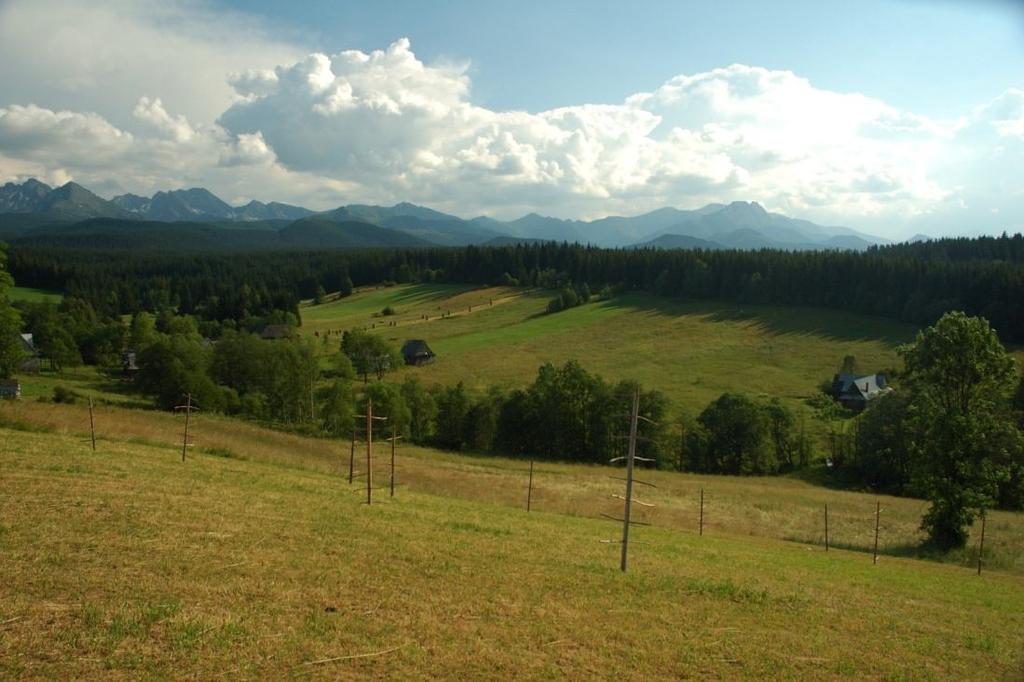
<point x="752" y="205"/>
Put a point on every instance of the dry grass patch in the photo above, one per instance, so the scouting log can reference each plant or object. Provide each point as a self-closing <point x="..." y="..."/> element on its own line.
<point x="781" y="508"/>
<point x="127" y="563"/>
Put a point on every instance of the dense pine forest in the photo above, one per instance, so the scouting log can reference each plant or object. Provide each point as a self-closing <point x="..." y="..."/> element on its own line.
<point x="912" y="282"/>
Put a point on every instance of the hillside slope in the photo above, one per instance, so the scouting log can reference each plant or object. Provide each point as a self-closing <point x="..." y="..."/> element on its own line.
<point x="129" y="562"/>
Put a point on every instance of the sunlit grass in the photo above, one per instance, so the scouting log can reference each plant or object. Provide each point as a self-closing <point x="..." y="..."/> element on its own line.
<point x="782" y="508"/>
<point x="128" y="563"/>
<point x="35" y="295"/>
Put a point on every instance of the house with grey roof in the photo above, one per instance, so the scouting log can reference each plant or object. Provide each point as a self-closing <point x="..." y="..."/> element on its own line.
<point x="28" y="347"/>
<point x="854" y="392"/>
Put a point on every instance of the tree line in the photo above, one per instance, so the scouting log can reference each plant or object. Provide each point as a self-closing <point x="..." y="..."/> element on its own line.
<point x="916" y="283"/>
<point x="951" y="432"/>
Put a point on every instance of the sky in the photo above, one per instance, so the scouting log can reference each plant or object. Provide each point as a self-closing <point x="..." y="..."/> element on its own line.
<point x="894" y="117"/>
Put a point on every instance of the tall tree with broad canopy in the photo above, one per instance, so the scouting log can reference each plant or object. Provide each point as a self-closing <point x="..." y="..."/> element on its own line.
<point x="960" y="378"/>
<point x="370" y="353"/>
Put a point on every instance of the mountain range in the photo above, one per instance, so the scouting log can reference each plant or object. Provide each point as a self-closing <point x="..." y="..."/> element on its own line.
<point x="33" y="211"/>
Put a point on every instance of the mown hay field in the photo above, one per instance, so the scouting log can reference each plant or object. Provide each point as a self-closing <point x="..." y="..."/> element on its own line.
<point x="128" y="563"/>
<point x="691" y="351"/>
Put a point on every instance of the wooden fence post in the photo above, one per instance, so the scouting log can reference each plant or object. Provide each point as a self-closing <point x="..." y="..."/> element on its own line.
<point x="529" y="489"/>
<point x="878" y="516"/>
<point x="92" y="426"/>
<point x="826" y="526"/>
<point x="981" y="544"/>
<point x="352" y="456"/>
<point x="369" y="449"/>
<point x="701" y="527"/>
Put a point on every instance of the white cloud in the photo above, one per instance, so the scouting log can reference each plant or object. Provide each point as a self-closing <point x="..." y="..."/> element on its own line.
<point x="103" y="55"/>
<point x="67" y="138"/>
<point x="248" y="149"/>
<point x="152" y="112"/>
<point x="163" y="98"/>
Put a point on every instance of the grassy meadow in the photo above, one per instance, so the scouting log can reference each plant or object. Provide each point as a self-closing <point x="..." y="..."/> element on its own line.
<point x="778" y="508"/>
<point x="691" y="351"/>
<point x="127" y="563"/>
<point x="35" y="295"/>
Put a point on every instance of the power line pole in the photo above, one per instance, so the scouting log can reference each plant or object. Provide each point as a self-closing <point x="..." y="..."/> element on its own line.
<point x="628" y="500"/>
<point x="630" y="456"/>
<point x="369" y="447"/>
<point x="189" y="408"/>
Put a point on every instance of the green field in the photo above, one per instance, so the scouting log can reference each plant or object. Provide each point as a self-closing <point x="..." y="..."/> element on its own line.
<point x="261" y="561"/>
<point x="691" y="351"/>
<point x="35" y="295"/>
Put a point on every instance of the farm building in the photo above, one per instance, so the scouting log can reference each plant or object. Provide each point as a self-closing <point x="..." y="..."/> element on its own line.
<point x="129" y="364"/>
<point x="417" y="352"/>
<point x="31" y="361"/>
<point x="10" y="389"/>
<point x="854" y="392"/>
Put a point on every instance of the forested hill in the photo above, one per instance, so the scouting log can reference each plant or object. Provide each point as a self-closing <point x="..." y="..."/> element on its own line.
<point x="1004" y="248"/>
<point x="915" y="283"/>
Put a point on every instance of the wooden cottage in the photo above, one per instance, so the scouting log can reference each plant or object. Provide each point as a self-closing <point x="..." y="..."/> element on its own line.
<point x="417" y="352"/>
<point x="854" y="392"/>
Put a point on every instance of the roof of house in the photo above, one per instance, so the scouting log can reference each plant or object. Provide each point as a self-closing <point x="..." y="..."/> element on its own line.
<point x="414" y="347"/>
<point x="28" y="343"/>
<point x="852" y="387"/>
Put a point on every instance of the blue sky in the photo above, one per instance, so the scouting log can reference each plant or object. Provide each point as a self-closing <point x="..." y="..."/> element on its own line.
<point x="893" y="117"/>
<point x="934" y="57"/>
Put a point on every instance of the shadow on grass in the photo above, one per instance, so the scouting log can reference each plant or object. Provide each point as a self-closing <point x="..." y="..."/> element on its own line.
<point x="780" y="319"/>
<point x="832" y="478"/>
<point x="425" y="293"/>
<point x="965" y="557"/>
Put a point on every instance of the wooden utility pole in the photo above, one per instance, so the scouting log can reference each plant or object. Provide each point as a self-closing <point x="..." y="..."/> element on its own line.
<point x="188" y="408"/>
<point x="369" y="447"/>
<point x="630" y="456"/>
<point x="878" y="515"/>
<point x="92" y="426"/>
<point x="529" y="488"/>
<point x="981" y="543"/>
